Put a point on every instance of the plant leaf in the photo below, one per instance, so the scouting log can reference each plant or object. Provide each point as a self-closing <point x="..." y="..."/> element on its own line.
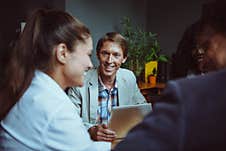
<point x="163" y="58"/>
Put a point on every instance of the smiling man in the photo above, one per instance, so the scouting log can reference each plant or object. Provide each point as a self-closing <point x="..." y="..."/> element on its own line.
<point x="106" y="87"/>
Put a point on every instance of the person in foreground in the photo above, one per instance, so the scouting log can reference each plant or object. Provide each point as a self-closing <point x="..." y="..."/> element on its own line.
<point x="191" y="113"/>
<point x="106" y="87"/>
<point x="52" y="53"/>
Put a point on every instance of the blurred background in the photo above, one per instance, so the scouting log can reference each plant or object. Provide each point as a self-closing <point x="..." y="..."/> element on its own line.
<point x="167" y="18"/>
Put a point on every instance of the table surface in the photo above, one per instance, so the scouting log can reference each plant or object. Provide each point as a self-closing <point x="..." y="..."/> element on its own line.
<point x="144" y="86"/>
<point x="147" y="90"/>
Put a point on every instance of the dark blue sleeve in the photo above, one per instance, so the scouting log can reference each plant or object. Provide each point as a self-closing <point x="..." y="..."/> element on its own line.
<point x="159" y="131"/>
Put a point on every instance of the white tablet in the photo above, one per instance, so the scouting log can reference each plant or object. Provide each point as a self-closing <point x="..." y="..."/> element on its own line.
<point x="124" y="118"/>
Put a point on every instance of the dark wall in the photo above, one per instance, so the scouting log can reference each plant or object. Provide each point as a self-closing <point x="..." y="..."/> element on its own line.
<point x="103" y="16"/>
<point x="9" y="14"/>
<point x="170" y="19"/>
<point x="167" y="18"/>
<point x="12" y="13"/>
<point x="29" y="5"/>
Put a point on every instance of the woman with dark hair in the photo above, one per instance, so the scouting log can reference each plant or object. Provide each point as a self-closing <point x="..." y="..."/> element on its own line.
<point x="52" y="53"/>
<point x="189" y="58"/>
<point x="192" y="57"/>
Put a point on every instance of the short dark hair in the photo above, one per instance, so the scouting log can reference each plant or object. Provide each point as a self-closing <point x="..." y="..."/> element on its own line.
<point x="113" y="37"/>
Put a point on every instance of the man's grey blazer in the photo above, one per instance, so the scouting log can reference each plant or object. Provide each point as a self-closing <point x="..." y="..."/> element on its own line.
<point x="86" y="97"/>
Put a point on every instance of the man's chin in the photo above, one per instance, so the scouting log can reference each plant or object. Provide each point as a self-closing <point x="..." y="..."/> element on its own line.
<point x="108" y="73"/>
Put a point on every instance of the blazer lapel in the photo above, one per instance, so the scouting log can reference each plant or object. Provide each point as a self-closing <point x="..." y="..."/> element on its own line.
<point x="123" y="90"/>
<point x="93" y="96"/>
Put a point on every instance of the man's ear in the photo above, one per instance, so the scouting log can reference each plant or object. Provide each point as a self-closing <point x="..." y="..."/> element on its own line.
<point x="61" y="53"/>
<point x="124" y="60"/>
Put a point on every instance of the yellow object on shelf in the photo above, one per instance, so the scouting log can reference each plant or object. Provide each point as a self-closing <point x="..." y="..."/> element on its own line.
<point x="150" y="69"/>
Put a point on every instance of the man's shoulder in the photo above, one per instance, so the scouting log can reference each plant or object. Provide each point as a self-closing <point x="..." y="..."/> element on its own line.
<point x="91" y="75"/>
<point x="91" y="72"/>
<point x="125" y="72"/>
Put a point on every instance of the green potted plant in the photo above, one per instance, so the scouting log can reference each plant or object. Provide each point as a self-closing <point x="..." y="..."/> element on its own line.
<point x="143" y="47"/>
<point x="155" y="53"/>
<point x="152" y="61"/>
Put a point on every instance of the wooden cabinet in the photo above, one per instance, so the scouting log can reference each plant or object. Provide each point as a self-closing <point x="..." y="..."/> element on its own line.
<point x="151" y="92"/>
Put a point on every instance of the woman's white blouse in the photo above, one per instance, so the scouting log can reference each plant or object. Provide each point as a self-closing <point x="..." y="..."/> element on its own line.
<point x="45" y="119"/>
